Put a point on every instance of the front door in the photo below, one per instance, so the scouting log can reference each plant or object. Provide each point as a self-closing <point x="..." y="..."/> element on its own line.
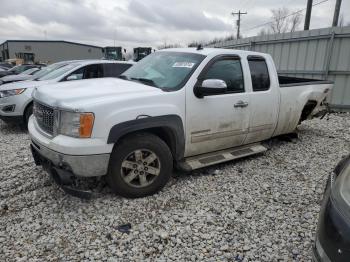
<point x="221" y="121"/>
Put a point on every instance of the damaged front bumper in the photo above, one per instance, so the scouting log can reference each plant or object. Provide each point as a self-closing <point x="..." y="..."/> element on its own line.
<point x="64" y="169"/>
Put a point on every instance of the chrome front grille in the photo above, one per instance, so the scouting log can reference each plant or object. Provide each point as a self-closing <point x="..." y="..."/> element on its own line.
<point x="44" y="116"/>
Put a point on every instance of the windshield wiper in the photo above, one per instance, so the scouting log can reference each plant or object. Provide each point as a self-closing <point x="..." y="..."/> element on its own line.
<point x="146" y="81"/>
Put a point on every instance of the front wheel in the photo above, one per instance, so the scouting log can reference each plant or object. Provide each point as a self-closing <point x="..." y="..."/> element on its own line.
<point x="140" y="165"/>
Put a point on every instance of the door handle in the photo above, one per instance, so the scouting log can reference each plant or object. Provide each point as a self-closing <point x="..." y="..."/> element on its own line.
<point x="241" y="104"/>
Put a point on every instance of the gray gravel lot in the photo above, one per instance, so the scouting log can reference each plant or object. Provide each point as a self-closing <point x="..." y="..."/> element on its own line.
<point x="262" y="208"/>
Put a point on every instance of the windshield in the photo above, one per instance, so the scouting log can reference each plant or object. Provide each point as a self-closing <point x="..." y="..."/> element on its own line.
<point x="58" y="72"/>
<point x="49" y="69"/>
<point x="165" y="70"/>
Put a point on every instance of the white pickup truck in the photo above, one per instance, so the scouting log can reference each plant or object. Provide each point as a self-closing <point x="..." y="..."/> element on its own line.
<point x="177" y="108"/>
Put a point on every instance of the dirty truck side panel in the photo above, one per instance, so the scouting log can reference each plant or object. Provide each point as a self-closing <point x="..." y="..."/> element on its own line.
<point x="213" y="122"/>
<point x="293" y="100"/>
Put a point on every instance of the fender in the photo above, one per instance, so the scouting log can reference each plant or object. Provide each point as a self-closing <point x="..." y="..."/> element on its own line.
<point x="171" y="123"/>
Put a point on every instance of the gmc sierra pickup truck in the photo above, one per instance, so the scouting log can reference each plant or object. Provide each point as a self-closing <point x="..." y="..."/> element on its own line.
<point x="177" y="108"/>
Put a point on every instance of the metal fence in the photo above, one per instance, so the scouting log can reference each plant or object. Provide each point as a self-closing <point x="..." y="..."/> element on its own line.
<point x="319" y="54"/>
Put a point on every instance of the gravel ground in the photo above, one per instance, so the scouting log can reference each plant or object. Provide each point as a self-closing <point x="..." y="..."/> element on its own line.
<point x="262" y="208"/>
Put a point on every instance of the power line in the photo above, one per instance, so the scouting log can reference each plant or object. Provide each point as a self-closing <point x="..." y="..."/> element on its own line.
<point x="296" y="12"/>
<point x="308" y="15"/>
<point x="336" y="13"/>
<point x="239" y="21"/>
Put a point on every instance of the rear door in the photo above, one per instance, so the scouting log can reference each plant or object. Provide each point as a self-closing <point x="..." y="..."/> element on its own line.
<point x="220" y="121"/>
<point x="264" y="99"/>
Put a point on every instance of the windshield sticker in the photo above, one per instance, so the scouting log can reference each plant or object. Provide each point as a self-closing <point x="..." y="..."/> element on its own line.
<point x="184" y="64"/>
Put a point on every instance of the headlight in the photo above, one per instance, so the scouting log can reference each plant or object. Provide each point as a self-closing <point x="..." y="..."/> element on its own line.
<point x="76" y="124"/>
<point x="341" y="190"/>
<point x="13" y="92"/>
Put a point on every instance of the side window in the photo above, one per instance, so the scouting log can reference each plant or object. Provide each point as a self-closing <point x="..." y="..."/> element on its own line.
<point x="259" y="73"/>
<point x="93" y="71"/>
<point x="114" y="70"/>
<point x="76" y="75"/>
<point x="230" y="71"/>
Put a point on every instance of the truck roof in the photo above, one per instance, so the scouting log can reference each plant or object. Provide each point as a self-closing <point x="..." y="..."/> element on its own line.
<point x="212" y="51"/>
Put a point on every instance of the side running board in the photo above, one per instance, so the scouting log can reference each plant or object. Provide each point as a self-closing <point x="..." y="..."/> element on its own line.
<point x="217" y="157"/>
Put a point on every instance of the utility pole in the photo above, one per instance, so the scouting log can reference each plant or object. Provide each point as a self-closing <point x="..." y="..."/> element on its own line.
<point x="336" y="13"/>
<point x="308" y="15"/>
<point x="239" y="21"/>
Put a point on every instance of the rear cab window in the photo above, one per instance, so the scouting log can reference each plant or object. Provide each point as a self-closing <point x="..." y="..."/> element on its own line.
<point x="259" y="73"/>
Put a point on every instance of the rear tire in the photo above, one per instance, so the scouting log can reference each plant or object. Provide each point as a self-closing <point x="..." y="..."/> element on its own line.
<point x="140" y="165"/>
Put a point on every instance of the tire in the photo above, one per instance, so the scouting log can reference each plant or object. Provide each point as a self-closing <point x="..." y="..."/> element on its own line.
<point x="28" y="112"/>
<point x="149" y="153"/>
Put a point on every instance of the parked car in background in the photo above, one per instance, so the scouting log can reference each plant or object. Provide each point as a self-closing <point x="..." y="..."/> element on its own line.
<point x="141" y="52"/>
<point x="25" y="75"/>
<point x="31" y="71"/>
<point x="48" y="69"/>
<point x="2" y="68"/>
<point x="16" y="103"/>
<point x="332" y="241"/>
<point x="5" y="65"/>
<point x="187" y="107"/>
<point x="18" y="69"/>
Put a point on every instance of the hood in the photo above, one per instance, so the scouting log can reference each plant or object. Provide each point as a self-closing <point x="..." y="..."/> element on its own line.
<point x="80" y="93"/>
<point x="20" y="77"/>
<point x="24" y="84"/>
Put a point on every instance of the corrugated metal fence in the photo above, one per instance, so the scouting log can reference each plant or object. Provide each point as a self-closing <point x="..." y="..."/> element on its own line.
<point x="320" y="54"/>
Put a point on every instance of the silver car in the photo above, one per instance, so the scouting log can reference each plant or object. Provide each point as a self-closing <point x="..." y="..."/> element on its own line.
<point x="28" y="74"/>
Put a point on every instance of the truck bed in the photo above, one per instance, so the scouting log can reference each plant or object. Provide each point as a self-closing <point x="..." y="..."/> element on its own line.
<point x="288" y="81"/>
<point x="294" y="99"/>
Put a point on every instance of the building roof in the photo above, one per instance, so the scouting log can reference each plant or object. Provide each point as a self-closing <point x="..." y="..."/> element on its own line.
<point x="52" y="41"/>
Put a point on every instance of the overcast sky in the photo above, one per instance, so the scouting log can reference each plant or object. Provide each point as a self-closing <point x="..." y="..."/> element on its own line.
<point x="131" y="23"/>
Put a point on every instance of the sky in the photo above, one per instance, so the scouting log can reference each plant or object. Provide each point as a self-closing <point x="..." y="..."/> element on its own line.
<point x="131" y="23"/>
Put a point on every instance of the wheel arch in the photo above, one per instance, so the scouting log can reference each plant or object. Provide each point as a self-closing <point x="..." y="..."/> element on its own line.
<point x="169" y="128"/>
<point x="31" y="103"/>
<point x="309" y="106"/>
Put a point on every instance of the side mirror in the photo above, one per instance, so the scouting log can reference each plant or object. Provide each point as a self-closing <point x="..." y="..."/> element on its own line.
<point x="72" y="77"/>
<point x="211" y="87"/>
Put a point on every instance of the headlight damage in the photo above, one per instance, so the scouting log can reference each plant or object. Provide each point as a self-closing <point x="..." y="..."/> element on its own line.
<point x="13" y="92"/>
<point x="75" y="124"/>
<point x="68" y="123"/>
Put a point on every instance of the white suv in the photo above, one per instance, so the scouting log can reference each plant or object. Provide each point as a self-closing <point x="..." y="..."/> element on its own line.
<point x="16" y="103"/>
